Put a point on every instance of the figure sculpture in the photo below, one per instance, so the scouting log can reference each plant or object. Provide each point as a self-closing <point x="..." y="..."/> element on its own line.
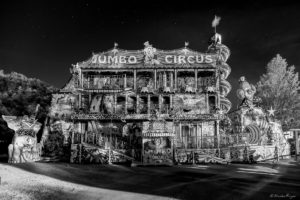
<point x="150" y="54"/>
<point x="24" y="146"/>
<point x="246" y="92"/>
<point x="76" y="73"/>
<point x="64" y="127"/>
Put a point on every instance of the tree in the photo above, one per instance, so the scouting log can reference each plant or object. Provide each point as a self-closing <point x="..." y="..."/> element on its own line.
<point x="19" y="96"/>
<point x="279" y="87"/>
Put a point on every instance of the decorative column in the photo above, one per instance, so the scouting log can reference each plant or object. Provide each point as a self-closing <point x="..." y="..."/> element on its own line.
<point x="126" y="99"/>
<point x="134" y="79"/>
<point x="155" y="79"/>
<point x="217" y="85"/>
<point x="165" y="80"/>
<point x="125" y="81"/>
<point x="217" y="135"/>
<point x="201" y="129"/>
<point x="137" y="104"/>
<point x="79" y="100"/>
<point x="180" y="133"/>
<point x="171" y="80"/>
<point x="207" y="103"/>
<point x="160" y="82"/>
<point x="171" y="101"/>
<point x="197" y="132"/>
<point x="148" y="104"/>
<point x="72" y="137"/>
<point x="159" y="103"/>
<point x="90" y="98"/>
<point x="196" y="80"/>
<point x="175" y="77"/>
<point x="218" y="100"/>
<point x="115" y="103"/>
<point x="81" y="132"/>
<point x="81" y="81"/>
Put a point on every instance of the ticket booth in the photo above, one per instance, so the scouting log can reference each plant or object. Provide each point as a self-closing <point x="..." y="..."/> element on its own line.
<point x="157" y="143"/>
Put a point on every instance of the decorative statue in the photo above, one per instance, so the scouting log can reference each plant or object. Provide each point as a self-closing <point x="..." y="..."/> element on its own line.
<point x="64" y="127"/>
<point x="24" y="146"/>
<point x="76" y="72"/>
<point x="216" y="39"/>
<point x="189" y="83"/>
<point x="246" y="92"/>
<point x="150" y="53"/>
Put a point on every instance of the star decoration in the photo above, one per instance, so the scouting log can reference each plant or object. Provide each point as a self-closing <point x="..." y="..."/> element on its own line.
<point x="271" y="111"/>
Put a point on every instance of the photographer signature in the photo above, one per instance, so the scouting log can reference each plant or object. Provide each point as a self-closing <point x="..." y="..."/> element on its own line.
<point x="287" y="195"/>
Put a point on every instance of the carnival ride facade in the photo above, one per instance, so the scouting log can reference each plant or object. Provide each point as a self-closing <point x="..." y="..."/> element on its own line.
<point x="151" y="107"/>
<point x="141" y="105"/>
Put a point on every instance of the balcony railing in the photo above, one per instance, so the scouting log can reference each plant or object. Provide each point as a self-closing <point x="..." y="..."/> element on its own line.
<point x="211" y="142"/>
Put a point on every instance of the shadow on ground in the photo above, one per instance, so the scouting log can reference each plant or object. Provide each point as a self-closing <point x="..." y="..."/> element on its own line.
<point x="190" y="182"/>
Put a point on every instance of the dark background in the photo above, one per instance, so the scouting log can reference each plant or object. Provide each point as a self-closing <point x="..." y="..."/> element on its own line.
<point x="43" y="38"/>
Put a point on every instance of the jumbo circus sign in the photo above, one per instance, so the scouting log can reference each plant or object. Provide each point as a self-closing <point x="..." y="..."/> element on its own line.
<point x="159" y="59"/>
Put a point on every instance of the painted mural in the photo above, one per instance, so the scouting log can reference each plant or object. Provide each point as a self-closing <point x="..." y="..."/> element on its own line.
<point x="157" y="151"/>
<point x="190" y="104"/>
<point x="62" y="105"/>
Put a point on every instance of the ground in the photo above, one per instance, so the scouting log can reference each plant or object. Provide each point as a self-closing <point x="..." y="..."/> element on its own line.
<point x="71" y="181"/>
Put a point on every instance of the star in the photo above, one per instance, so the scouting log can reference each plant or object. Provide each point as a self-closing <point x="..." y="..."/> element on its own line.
<point x="271" y="111"/>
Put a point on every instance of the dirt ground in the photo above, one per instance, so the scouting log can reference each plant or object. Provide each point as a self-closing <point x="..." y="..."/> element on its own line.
<point x="42" y="181"/>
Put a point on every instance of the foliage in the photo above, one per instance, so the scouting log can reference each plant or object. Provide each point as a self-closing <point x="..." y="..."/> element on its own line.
<point x="54" y="144"/>
<point x="279" y="87"/>
<point x="19" y="96"/>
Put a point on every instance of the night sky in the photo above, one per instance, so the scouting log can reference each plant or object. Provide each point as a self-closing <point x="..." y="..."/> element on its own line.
<point x="42" y="39"/>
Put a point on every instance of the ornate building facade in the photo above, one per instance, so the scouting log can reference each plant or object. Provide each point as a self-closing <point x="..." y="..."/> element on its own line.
<point x="147" y="105"/>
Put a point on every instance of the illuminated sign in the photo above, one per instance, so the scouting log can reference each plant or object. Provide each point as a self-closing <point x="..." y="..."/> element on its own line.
<point x="161" y="59"/>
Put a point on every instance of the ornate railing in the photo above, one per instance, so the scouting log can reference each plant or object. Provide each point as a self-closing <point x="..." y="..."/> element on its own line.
<point x="145" y="115"/>
<point x="211" y="142"/>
